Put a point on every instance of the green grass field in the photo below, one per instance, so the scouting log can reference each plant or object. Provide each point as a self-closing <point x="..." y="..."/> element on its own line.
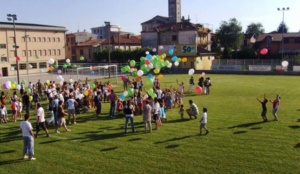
<point x="238" y="142"/>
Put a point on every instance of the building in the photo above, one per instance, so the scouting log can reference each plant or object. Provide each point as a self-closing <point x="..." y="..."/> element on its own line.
<point x="174" y="11"/>
<point x="103" y="31"/>
<point x="81" y="44"/>
<point x="278" y="43"/>
<point x="249" y="40"/>
<point x="123" y="42"/>
<point x="36" y="44"/>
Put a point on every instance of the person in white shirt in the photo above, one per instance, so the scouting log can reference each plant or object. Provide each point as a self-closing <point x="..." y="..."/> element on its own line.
<point x="71" y="109"/>
<point x="40" y="121"/>
<point x="203" y="121"/>
<point x="156" y="112"/>
<point x="159" y="93"/>
<point x="2" y="114"/>
<point x="19" y="106"/>
<point x="28" y="139"/>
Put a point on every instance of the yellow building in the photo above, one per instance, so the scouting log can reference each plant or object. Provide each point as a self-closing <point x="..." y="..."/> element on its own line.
<point x="36" y="44"/>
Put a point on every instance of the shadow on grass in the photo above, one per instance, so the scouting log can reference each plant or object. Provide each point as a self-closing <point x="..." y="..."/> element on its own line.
<point x="109" y="149"/>
<point x="173" y="139"/>
<point x="297" y="145"/>
<point x="11" y="162"/>
<point x="295" y="126"/>
<point x="48" y="142"/>
<point x="239" y="132"/>
<point x="298" y="120"/>
<point x="172" y="146"/>
<point x="135" y="139"/>
<point x="176" y="121"/>
<point x="8" y="151"/>
<point x="256" y="128"/>
<point x="247" y="125"/>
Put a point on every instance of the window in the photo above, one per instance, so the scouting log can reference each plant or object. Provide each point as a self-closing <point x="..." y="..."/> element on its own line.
<point x="23" y="39"/>
<point x="45" y="53"/>
<point x="73" y="51"/>
<point x="174" y="38"/>
<point x="54" y="52"/>
<point x="297" y="40"/>
<point x="58" y="39"/>
<point x="11" y="40"/>
<point x="24" y="53"/>
<point x="286" y="40"/>
<point x="13" y="67"/>
<point x="53" y="39"/>
<point x="2" y="46"/>
<point x="39" y="39"/>
<point x="29" y="53"/>
<point x="40" y="52"/>
<point x="49" y="39"/>
<point x="3" y="59"/>
<point x="23" y="66"/>
<point x="58" y="52"/>
<point x="34" y="53"/>
<point x="34" y="39"/>
<point x="34" y="65"/>
<point x="44" y="39"/>
<point x="49" y="52"/>
<point x="81" y="52"/>
<point x="268" y="41"/>
<point x="163" y="39"/>
<point x="43" y="65"/>
<point x="28" y="39"/>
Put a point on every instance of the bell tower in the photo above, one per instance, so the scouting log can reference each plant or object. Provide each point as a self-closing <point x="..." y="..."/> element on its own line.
<point x="174" y="11"/>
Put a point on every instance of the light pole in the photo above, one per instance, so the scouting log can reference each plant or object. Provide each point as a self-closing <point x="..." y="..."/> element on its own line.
<point x="283" y="9"/>
<point x="27" y="65"/>
<point x="13" y="17"/>
<point x="107" y="24"/>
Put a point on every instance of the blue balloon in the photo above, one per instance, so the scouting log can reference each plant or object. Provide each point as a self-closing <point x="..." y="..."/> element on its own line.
<point x="92" y="72"/>
<point x="150" y="76"/>
<point x="149" y="56"/>
<point x="174" y="58"/>
<point x="171" y="51"/>
<point x="122" y="97"/>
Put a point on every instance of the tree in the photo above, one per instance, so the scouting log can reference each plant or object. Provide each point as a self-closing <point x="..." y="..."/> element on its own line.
<point x="255" y="28"/>
<point x="229" y="34"/>
<point x="282" y="28"/>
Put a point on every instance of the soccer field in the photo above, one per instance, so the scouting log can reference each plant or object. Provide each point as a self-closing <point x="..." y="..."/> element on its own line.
<point x="238" y="142"/>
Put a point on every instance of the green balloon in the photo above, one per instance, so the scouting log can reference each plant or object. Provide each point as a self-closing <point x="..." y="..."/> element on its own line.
<point x="23" y="82"/>
<point x="81" y="58"/>
<point x="14" y="82"/>
<point x="93" y="86"/>
<point x="178" y="59"/>
<point x="74" y="66"/>
<point x="55" y="66"/>
<point x="134" y="74"/>
<point x="127" y="68"/>
<point x="65" y="66"/>
<point x="123" y="69"/>
<point x="28" y="90"/>
<point x="130" y="92"/>
<point x="142" y="59"/>
<point x="149" y="82"/>
<point x="69" y="64"/>
<point x="132" y="63"/>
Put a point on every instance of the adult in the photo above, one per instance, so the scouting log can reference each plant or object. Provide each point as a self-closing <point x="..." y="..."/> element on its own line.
<point x="193" y="110"/>
<point x="128" y="110"/>
<point x="71" y="109"/>
<point x="40" y="120"/>
<point x="147" y="109"/>
<point x="28" y="140"/>
<point x="39" y="87"/>
<point x="55" y="112"/>
<point x="125" y="83"/>
<point x="156" y="113"/>
<point x="112" y="98"/>
<point x="97" y="101"/>
<point x="61" y="116"/>
<point x="26" y="101"/>
<point x="275" y="103"/>
<point x="201" y="82"/>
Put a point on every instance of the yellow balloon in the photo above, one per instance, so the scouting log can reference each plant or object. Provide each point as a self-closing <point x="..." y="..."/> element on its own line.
<point x="156" y="71"/>
<point x="86" y="92"/>
<point x="30" y="98"/>
<point x="184" y="59"/>
<point x="13" y="86"/>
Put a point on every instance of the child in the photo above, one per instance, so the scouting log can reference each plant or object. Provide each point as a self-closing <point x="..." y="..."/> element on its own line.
<point x="14" y="111"/>
<point x="264" y="108"/>
<point x="119" y="105"/>
<point x="162" y="112"/>
<point x="19" y="105"/>
<point x="2" y="114"/>
<point x="203" y="121"/>
<point x="181" y="111"/>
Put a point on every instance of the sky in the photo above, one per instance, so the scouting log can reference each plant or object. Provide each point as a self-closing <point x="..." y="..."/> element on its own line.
<point x="129" y="14"/>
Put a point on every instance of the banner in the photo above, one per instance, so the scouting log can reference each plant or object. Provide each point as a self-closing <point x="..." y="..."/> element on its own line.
<point x="296" y="68"/>
<point x="226" y="67"/>
<point x="260" y="68"/>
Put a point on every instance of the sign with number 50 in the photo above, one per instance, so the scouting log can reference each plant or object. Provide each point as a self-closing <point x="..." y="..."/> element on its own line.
<point x="188" y="49"/>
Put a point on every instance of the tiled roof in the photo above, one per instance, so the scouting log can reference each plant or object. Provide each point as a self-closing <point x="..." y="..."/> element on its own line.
<point x="92" y="42"/>
<point x="181" y="26"/>
<point x="124" y="39"/>
<point x="277" y="37"/>
<point x="158" y="18"/>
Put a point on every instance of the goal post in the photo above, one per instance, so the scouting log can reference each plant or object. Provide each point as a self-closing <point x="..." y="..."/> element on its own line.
<point x="94" y="72"/>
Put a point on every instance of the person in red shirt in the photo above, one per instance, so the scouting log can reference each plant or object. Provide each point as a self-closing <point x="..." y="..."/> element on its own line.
<point x="112" y="98"/>
<point x="3" y="97"/>
<point x="275" y="104"/>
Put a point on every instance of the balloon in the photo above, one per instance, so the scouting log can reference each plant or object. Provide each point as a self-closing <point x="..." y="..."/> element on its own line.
<point x="86" y="92"/>
<point x="160" y="76"/>
<point x="212" y="58"/>
<point x="198" y="89"/>
<point x="71" y="81"/>
<point x="74" y="66"/>
<point x="156" y="71"/>
<point x="28" y="90"/>
<point x="30" y="98"/>
<point x="80" y="96"/>
<point x="184" y="59"/>
<point x="125" y="93"/>
<point x="130" y="92"/>
<point x="154" y="49"/>
<point x="18" y="58"/>
<point x="29" y="66"/>
<point x="264" y="51"/>
<point x="174" y="58"/>
<point x="178" y="59"/>
<point x="203" y="74"/>
<point x="149" y="56"/>
<point x="147" y="52"/>
<point x="122" y="97"/>
<point x="65" y="66"/>
<point x="134" y="74"/>
<point x="149" y="82"/>
<point x="150" y="66"/>
<point x="90" y="91"/>
<point x="132" y="63"/>
<point x="93" y="86"/>
<point x="123" y="78"/>
<point x="176" y="63"/>
<point x="68" y="60"/>
<point x="69" y="64"/>
<point x="191" y="71"/>
<point x="59" y="77"/>
<point x="59" y="71"/>
<point x="169" y="65"/>
<point x="81" y="58"/>
<point x="51" y="61"/>
<point x="18" y="87"/>
<point x="145" y="96"/>
<point x="51" y="68"/>
<point x="147" y="62"/>
<point x="285" y="63"/>
<point x="138" y="78"/>
<point x="161" y="47"/>
<point x="140" y="73"/>
<point x="23" y="82"/>
<point x="150" y="76"/>
<point x="13" y="86"/>
<point x="92" y="72"/>
<point x="171" y="51"/>
<point x="48" y="82"/>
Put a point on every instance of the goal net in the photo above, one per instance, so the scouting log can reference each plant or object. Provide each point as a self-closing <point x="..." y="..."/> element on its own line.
<point x="96" y="72"/>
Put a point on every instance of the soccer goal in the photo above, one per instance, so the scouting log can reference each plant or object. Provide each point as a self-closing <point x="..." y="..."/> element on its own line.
<point x="95" y="72"/>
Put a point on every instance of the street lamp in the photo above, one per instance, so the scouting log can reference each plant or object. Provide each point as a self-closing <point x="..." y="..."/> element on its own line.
<point x="107" y="24"/>
<point x="282" y="28"/>
<point x="13" y="17"/>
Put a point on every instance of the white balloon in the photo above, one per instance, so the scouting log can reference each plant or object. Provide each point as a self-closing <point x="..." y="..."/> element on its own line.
<point x="285" y="63"/>
<point x="150" y="66"/>
<point x="147" y="52"/>
<point x="169" y="65"/>
<point x="18" y="87"/>
<point x="176" y="63"/>
<point x="140" y="73"/>
<point x="68" y="61"/>
<point x="131" y="69"/>
<point x="212" y="58"/>
<point x="125" y="93"/>
<point x="203" y="74"/>
<point x="191" y="71"/>
<point x="51" y="61"/>
<point x="8" y="84"/>
<point x="71" y="80"/>
<point x="106" y="67"/>
<point x="161" y="47"/>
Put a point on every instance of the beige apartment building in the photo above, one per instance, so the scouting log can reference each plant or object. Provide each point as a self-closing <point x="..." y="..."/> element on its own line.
<point x="36" y="44"/>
